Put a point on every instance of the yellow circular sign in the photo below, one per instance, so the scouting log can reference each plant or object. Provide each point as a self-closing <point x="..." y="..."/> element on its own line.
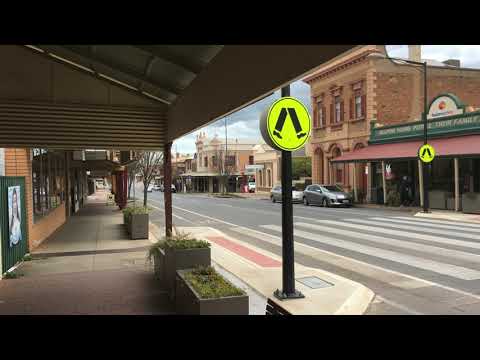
<point x="426" y="153"/>
<point x="288" y="124"/>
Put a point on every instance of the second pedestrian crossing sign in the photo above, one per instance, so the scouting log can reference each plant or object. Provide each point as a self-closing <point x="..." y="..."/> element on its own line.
<point x="286" y="125"/>
<point x="426" y="153"/>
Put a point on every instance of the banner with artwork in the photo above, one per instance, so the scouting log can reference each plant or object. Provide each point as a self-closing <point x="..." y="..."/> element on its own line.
<point x="14" y="215"/>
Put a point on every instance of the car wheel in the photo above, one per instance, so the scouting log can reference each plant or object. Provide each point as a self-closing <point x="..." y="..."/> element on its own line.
<point x="325" y="202"/>
<point x="273" y="199"/>
<point x="305" y="201"/>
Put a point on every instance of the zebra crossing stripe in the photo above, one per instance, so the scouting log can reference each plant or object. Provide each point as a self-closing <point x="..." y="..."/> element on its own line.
<point x="418" y="228"/>
<point x="394" y="242"/>
<point x="455" y="271"/>
<point x="408" y="234"/>
<point x="440" y="226"/>
<point x="447" y="222"/>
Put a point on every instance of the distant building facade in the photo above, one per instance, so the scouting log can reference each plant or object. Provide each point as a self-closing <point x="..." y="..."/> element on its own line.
<point x="216" y="160"/>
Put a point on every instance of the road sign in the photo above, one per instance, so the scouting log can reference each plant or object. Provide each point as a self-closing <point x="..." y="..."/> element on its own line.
<point x="110" y="199"/>
<point x="286" y="125"/>
<point x="426" y="153"/>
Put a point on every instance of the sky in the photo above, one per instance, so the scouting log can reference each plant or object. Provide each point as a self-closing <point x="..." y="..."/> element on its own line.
<point x="244" y="123"/>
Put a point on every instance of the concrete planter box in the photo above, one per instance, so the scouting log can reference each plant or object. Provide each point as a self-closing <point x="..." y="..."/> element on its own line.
<point x="159" y="265"/>
<point x="179" y="259"/>
<point x="471" y="203"/>
<point x="138" y="226"/>
<point x="188" y="302"/>
<point x="438" y="199"/>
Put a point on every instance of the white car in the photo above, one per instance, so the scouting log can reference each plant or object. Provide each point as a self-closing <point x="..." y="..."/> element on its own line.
<point x="276" y="194"/>
<point x="251" y="186"/>
<point x="156" y="187"/>
<point x="150" y="188"/>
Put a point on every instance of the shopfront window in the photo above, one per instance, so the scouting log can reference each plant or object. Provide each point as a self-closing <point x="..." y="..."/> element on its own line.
<point x="48" y="181"/>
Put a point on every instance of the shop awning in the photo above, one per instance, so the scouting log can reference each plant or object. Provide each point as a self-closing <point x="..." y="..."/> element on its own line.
<point x="445" y="147"/>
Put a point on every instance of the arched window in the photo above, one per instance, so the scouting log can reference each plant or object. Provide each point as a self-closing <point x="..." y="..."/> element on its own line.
<point x="318" y="166"/>
<point x="338" y="169"/>
<point x="260" y="178"/>
<point x="269" y="178"/>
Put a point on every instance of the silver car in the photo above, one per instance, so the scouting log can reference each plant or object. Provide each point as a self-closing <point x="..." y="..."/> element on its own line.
<point x="326" y="195"/>
<point x="276" y="194"/>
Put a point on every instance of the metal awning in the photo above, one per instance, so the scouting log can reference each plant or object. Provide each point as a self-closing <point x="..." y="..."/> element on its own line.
<point x="462" y="146"/>
<point x="137" y="96"/>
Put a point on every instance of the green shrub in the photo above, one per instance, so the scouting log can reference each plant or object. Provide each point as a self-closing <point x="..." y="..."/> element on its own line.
<point x="180" y="240"/>
<point x="135" y="210"/>
<point x="183" y="240"/>
<point x="153" y="249"/>
<point x="27" y="257"/>
<point x="210" y="285"/>
<point x="393" y="198"/>
<point x="10" y="275"/>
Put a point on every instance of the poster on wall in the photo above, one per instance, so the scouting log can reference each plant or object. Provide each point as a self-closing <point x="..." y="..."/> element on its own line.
<point x="14" y="215"/>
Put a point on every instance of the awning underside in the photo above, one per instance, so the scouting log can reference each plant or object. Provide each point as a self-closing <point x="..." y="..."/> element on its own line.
<point x="446" y="147"/>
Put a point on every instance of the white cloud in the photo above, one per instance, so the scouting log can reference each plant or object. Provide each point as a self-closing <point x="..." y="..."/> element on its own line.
<point x="469" y="55"/>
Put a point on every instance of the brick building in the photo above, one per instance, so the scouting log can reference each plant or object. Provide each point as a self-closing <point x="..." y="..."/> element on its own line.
<point x="350" y="92"/>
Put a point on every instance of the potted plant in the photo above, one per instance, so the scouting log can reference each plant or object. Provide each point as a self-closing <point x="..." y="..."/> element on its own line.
<point x="126" y="215"/>
<point x="138" y="222"/>
<point x="156" y="256"/>
<point x="183" y="252"/>
<point x="203" y="291"/>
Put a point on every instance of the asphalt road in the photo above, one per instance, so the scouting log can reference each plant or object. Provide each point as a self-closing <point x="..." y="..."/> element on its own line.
<point x="415" y="266"/>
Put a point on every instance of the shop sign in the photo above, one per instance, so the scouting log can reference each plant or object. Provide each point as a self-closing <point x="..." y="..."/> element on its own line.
<point x="465" y="123"/>
<point x="445" y="105"/>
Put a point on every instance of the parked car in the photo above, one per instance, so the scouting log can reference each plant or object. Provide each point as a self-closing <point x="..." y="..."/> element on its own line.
<point x="174" y="189"/>
<point x="150" y="188"/>
<point x="156" y="187"/>
<point x="276" y="194"/>
<point x="251" y="186"/>
<point x="326" y="195"/>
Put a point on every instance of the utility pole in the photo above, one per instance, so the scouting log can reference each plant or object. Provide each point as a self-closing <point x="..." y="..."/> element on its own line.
<point x="225" y="180"/>
<point x="426" y="175"/>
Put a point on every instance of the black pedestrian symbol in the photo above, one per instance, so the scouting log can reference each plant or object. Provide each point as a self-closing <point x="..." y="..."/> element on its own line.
<point x="426" y="150"/>
<point x="281" y="121"/>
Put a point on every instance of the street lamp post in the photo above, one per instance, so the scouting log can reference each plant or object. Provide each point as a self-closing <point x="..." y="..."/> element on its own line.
<point x="425" y="123"/>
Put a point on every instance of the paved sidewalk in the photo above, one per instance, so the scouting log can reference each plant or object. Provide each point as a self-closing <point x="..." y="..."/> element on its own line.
<point x="87" y="267"/>
<point x="95" y="228"/>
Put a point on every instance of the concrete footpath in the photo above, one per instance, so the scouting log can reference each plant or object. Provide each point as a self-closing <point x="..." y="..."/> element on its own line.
<point x="329" y="294"/>
<point x="449" y="215"/>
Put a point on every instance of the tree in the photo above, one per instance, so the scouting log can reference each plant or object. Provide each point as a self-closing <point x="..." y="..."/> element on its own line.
<point x="148" y="162"/>
<point x="301" y="167"/>
<point x="133" y="169"/>
<point x="224" y="165"/>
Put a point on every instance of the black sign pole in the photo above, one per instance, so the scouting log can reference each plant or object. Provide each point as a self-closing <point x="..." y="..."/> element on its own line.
<point x="426" y="175"/>
<point x="288" y="261"/>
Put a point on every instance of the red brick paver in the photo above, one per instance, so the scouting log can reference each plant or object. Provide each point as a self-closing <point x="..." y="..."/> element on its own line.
<point x="245" y="252"/>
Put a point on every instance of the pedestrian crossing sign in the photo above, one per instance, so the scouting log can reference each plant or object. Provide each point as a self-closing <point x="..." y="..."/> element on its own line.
<point x="286" y="125"/>
<point x="426" y="153"/>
